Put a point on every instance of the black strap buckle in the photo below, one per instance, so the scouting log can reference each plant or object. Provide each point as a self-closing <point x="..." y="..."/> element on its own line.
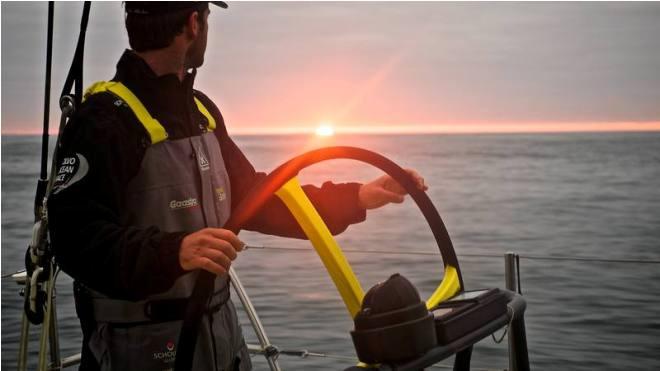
<point x="164" y="310"/>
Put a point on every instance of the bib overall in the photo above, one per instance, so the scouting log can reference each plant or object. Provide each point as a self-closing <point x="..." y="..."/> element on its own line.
<point x="182" y="185"/>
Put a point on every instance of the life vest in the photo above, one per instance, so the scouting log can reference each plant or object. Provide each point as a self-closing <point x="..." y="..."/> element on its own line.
<point x="182" y="185"/>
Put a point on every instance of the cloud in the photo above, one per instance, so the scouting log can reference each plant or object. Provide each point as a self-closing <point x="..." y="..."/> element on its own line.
<point x="288" y="64"/>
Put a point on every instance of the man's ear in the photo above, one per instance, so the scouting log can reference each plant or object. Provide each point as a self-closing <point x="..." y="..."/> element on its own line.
<point x="192" y="25"/>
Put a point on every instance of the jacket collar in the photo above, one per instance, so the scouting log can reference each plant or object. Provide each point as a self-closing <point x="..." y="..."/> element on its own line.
<point x="165" y="97"/>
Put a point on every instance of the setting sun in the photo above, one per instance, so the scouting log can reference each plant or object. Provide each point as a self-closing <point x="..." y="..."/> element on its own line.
<point x="325" y="129"/>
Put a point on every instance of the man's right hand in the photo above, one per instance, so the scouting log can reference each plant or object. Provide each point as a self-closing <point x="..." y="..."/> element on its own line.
<point x="211" y="249"/>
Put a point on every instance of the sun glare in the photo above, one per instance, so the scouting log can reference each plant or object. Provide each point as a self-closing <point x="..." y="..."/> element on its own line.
<point x="325" y="129"/>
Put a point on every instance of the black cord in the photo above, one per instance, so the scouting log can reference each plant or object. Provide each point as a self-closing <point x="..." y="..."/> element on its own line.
<point x="42" y="183"/>
<point x="81" y="40"/>
<point x="76" y="71"/>
<point x="49" y="60"/>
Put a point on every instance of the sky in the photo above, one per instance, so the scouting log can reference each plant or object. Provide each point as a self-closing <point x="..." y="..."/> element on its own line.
<point x="280" y="67"/>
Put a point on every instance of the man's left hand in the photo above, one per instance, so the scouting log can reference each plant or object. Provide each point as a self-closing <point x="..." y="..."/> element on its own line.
<point x="385" y="190"/>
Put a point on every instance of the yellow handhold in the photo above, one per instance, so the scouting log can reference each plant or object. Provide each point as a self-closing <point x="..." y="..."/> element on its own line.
<point x="329" y="251"/>
<point x="449" y="287"/>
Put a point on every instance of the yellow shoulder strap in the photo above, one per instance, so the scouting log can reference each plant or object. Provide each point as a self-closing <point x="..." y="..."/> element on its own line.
<point x="156" y="131"/>
<point x="206" y="114"/>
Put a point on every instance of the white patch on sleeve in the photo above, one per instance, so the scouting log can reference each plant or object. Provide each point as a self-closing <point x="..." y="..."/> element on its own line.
<point x="71" y="170"/>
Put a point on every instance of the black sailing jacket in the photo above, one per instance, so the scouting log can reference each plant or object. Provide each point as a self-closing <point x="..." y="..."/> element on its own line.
<point x="125" y="262"/>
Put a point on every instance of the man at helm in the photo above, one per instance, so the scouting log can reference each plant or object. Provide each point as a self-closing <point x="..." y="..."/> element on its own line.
<point x="147" y="177"/>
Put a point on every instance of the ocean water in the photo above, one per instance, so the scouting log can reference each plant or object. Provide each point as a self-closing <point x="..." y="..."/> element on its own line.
<point x="544" y="194"/>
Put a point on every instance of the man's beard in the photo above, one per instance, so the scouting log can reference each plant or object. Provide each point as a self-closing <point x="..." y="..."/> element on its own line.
<point x="195" y="55"/>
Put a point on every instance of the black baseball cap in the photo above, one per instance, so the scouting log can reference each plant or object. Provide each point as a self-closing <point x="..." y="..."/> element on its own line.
<point x="163" y="7"/>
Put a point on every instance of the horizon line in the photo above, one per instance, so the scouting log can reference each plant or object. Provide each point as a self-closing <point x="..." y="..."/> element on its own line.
<point x="471" y="128"/>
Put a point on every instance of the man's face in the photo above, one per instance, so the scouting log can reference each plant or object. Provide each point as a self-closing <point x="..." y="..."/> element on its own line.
<point x="195" y="54"/>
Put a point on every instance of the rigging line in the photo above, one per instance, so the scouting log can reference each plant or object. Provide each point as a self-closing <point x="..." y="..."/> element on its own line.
<point x="42" y="182"/>
<point x="305" y="353"/>
<point x="8" y="275"/>
<point x="75" y="75"/>
<point x="49" y="62"/>
<point x="589" y="259"/>
<point x="440" y="365"/>
<point x="323" y="355"/>
<point x="390" y="252"/>
<point x="416" y="252"/>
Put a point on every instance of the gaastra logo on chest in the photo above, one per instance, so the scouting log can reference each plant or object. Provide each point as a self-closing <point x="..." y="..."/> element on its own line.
<point x="183" y="204"/>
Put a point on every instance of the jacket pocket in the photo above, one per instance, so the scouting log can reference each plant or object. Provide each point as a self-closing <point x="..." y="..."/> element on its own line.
<point x="150" y="347"/>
